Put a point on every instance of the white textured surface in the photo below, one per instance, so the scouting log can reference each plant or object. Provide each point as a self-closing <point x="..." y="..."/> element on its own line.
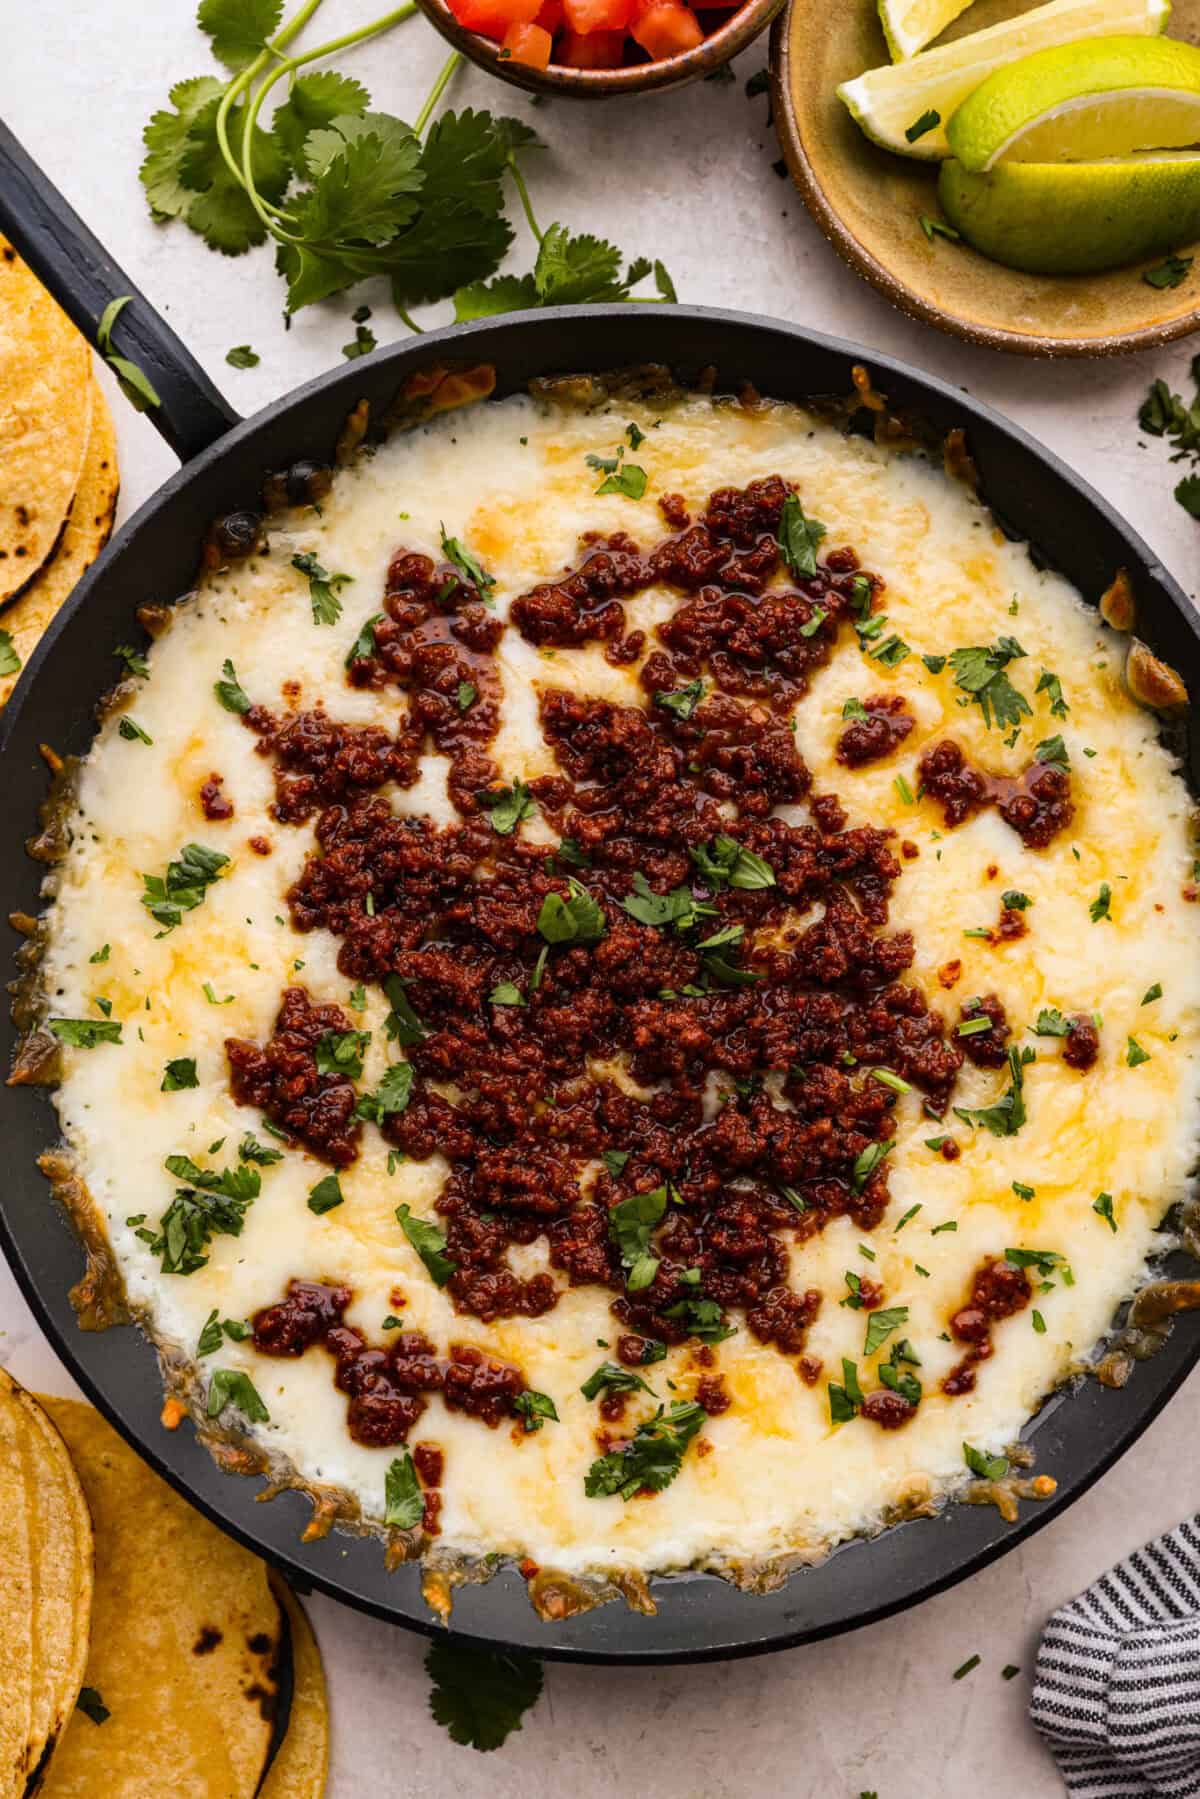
<point x="876" y="1711"/>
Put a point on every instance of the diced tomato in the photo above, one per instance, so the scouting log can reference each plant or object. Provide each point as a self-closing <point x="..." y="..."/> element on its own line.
<point x="587" y="16"/>
<point x="493" y="17"/>
<point x="665" y="28"/>
<point x="528" y="44"/>
<point x="598" y="50"/>
<point x="551" y="16"/>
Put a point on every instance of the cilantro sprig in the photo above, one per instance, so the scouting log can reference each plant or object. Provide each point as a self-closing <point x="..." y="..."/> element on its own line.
<point x="347" y="193"/>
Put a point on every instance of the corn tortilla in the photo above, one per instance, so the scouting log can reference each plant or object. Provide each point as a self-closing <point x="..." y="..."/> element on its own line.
<point x="87" y="531"/>
<point x="184" y="1643"/>
<point x="16" y="1605"/>
<point x="301" y="1765"/>
<point x="46" y="400"/>
<point x="60" y="1543"/>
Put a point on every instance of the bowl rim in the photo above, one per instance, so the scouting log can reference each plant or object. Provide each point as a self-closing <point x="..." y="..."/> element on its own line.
<point x="903" y="296"/>
<point x="745" y="22"/>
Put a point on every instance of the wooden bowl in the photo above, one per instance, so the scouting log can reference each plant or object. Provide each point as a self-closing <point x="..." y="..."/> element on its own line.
<point x="741" y="27"/>
<point x="869" y="202"/>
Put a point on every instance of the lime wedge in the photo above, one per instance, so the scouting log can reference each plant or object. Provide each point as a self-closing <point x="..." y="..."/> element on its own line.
<point x="889" y="102"/>
<point x="1074" y="218"/>
<point x="1082" y="102"/>
<point x="908" y="25"/>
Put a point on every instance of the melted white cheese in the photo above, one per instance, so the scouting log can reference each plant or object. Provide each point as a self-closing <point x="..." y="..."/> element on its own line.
<point x="510" y="480"/>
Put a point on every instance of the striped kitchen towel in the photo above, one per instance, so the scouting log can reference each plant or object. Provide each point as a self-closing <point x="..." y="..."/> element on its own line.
<point x="1116" y="1694"/>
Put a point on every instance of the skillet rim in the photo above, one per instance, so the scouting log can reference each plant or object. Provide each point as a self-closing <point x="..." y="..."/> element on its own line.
<point x="498" y="1615"/>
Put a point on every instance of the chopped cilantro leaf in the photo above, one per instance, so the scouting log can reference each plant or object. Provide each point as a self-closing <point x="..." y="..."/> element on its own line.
<point x="390" y="1097"/>
<point x="429" y="1243"/>
<point x="341" y="1053"/>
<point x="1054" y="751"/>
<point x="533" y="1409"/>
<point x="323" y="588"/>
<point x="578" y="919"/>
<point x="468" y="566"/>
<point x="179" y="1074"/>
<point x="626" y="478"/>
<point x="1169" y="273"/>
<point x="1007" y="1115"/>
<point x="403" y="1501"/>
<point x="1050" y="685"/>
<point x="1135" y="1055"/>
<point x="229" y="1386"/>
<point x="724" y="862"/>
<point x="799" y="538"/>
<point x="135" y="662"/>
<point x="1101" y="907"/>
<point x="230" y="691"/>
<point x="868" y="1161"/>
<point x="507" y="806"/>
<point x="987" y="1467"/>
<point x="1102" y="1205"/>
<point x="684" y="700"/>
<point x="184" y="885"/>
<point x="85" y="1033"/>
<point x="928" y="121"/>
<point x="364" y="644"/>
<point x="981" y="673"/>
<point x="630" y="1225"/>
<point x="401" y="1024"/>
<point x="652" y="1459"/>
<point x="326" y="1195"/>
<point x="881" y="1324"/>
<point x="610" y="1377"/>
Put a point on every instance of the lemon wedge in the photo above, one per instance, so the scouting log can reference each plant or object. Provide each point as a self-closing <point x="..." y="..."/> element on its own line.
<point x="1075" y="218"/>
<point x="1082" y="102"/>
<point x="892" y="102"/>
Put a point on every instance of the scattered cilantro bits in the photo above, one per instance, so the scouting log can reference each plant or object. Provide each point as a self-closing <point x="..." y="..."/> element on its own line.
<point x="92" y="1706"/>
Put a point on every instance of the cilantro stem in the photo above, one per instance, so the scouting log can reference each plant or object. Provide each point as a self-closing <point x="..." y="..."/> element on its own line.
<point x="437" y="90"/>
<point x="242" y="81"/>
<point x="523" y="191"/>
<point x="410" y="321"/>
<point x="268" y="213"/>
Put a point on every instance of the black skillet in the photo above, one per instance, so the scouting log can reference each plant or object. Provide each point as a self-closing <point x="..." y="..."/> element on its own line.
<point x="1077" y="1435"/>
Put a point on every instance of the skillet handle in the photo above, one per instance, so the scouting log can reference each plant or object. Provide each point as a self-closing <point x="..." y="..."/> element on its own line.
<point x="83" y="278"/>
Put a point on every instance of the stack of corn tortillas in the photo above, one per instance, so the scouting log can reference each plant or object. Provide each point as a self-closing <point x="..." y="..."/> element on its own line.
<point x="58" y="462"/>
<point x="143" y="1655"/>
